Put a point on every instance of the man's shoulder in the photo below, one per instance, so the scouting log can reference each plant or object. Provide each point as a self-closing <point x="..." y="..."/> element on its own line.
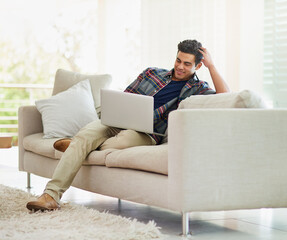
<point x="201" y="87"/>
<point x="157" y="72"/>
<point x="198" y="83"/>
<point x="195" y="81"/>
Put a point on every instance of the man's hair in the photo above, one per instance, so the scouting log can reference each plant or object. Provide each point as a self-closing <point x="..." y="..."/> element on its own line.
<point x="191" y="47"/>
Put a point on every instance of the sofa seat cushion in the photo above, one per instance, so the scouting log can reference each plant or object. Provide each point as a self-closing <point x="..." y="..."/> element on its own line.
<point x="146" y="158"/>
<point x="37" y="144"/>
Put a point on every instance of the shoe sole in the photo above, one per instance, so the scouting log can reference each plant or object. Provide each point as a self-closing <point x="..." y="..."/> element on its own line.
<point x="61" y="148"/>
<point x="36" y="208"/>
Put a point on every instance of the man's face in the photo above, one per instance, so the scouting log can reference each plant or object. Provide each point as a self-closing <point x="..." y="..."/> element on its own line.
<point x="184" y="66"/>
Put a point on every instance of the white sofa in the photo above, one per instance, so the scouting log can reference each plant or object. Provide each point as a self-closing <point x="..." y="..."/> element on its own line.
<point x="219" y="156"/>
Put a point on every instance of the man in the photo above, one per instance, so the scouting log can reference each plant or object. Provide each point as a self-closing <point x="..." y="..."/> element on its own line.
<point x="168" y="88"/>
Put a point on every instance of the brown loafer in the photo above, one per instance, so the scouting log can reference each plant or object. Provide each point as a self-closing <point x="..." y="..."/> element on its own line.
<point x="44" y="203"/>
<point x="62" y="144"/>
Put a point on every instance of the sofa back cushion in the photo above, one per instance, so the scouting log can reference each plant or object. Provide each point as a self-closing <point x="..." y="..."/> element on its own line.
<point x="65" y="79"/>
<point x="242" y="99"/>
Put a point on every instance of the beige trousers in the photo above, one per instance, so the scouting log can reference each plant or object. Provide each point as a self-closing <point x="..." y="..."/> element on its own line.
<point x="93" y="136"/>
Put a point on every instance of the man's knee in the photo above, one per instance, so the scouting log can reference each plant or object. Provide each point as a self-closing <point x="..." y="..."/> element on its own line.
<point x="128" y="138"/>
<point x="125" y="139"/>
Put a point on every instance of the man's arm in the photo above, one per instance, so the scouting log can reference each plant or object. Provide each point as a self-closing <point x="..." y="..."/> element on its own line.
<point x="132" y="88"/>
<point x="219" y="84"/>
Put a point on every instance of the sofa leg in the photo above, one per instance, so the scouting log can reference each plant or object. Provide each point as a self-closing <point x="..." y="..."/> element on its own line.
<point x="119" y="204"/>
<point x="28" y="180"/>
<point x="185" y="225"/>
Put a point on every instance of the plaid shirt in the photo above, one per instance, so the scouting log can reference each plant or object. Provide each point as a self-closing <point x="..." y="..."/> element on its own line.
<point x="152" y="80"/>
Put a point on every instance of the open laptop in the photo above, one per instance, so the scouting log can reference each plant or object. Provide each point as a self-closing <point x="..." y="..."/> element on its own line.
<point x="127" y="111"/>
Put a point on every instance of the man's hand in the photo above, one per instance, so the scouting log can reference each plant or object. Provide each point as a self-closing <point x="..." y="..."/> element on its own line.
<point x="207" y="61"/>
<point x="218" y="82"/>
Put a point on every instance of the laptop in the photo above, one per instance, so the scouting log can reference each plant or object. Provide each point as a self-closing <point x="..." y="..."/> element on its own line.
<point x="127" y="111"/>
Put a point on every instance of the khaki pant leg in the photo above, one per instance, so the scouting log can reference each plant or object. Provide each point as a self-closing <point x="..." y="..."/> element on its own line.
<point x="127" y="138"/>
<point x="87" y="139"/>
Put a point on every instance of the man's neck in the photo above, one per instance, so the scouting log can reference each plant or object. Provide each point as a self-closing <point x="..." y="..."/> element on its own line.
<point x="176" y="79"/>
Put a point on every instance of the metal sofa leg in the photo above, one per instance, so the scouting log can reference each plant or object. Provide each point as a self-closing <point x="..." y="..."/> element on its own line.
<point x="119" y="204"/>
<point x="28" y="180"/>
<point x="185" y="225"/>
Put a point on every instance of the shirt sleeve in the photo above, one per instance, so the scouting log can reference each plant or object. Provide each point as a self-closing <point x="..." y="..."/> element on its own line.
<point x="205" y="89"/>
<point x="133" y="87"/>
<point x="209" y="91"/>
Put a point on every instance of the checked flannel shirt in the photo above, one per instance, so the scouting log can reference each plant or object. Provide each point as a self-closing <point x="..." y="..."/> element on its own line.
<point x="152" y="80"/>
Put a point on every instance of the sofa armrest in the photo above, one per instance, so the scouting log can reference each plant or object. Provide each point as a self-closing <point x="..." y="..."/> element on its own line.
<point x="223" y="159"/>
<point x="29" y="122"/>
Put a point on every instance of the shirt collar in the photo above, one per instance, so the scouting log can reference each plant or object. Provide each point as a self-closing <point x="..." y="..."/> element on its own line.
<point x="194" y="78"/>
<point x="169" y="73"/>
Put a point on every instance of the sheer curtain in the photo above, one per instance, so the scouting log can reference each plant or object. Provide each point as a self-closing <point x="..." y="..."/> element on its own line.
<point x="232" y="31"/>
<point x="136" y="34"/>
<point x="145" y="33"/>
<point x="166" y="23"/>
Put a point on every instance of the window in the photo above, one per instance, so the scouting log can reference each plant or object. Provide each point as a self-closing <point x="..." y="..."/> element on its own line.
<point x="275" y="52"/>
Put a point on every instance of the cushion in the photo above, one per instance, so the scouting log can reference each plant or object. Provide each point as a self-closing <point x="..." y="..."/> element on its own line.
<point x="65" y="79"/>
<point x="65" y="113"/>
<point x="37" y="144"/>
<point x="242" y="99"/>
<point x="146" y="158"/>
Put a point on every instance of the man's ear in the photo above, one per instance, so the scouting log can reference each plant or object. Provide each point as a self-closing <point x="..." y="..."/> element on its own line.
<point x="198" y="66"/>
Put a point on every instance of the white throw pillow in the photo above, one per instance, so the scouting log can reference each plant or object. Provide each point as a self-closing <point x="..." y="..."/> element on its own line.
<point x="242" y="99"/>
<point x="65" y="113"/>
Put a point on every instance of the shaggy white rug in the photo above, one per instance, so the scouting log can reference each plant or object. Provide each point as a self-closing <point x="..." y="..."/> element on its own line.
<point x="71" y="222"/>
